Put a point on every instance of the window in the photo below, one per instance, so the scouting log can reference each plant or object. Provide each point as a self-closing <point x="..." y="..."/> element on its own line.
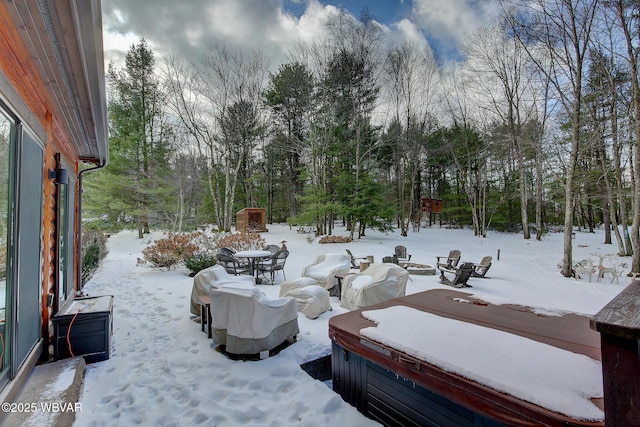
<point x="7" y="142"/>
<point x="65" y="229"/>
<point x="62" y="243"/>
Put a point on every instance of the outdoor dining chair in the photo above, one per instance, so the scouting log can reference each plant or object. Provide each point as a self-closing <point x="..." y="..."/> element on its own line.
<point x="232" y="265"/>
<point x="273" y="264"/>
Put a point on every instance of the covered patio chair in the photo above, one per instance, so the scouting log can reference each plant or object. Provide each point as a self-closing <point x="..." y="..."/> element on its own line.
<point x="325" y="268"/>
<point x="379" y="282"/>
<point x="215" y="276"/>
<point x="313" y="300"/>
<point x="249" y="323"/>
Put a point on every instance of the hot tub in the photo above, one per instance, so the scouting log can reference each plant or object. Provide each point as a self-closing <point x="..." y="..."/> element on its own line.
<point x="396" y="388"/>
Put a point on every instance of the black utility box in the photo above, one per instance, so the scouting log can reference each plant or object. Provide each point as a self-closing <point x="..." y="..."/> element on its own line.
<point x="83" y="327"/>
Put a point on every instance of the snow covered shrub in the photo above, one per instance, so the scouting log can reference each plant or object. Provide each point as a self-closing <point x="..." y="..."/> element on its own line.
<point x="205" y="255"/>
<point x="242" y="241"/>
<point x="169" y="251"/>
<point x="199" y="262"/>
<point x="94" y="249"/>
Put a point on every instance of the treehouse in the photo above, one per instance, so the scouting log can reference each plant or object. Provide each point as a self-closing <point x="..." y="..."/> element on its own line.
<point x="429" y="205"/>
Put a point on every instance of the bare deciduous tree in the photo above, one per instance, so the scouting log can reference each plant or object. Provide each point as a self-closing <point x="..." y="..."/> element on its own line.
<point x="202" y="96"/>
<point x="410" y="80"/>
<point x="628" y="18"/>
<point x="504" y="77"/>
<point x="556" y="34"/>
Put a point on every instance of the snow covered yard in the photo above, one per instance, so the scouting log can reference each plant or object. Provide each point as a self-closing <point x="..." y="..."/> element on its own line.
<point x="164" y="371"/>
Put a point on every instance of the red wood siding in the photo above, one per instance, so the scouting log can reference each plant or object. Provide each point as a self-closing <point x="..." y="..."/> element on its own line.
<point x="19" y="69"/>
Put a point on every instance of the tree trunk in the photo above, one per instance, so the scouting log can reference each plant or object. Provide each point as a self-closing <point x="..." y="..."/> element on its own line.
<point x="567" y="262"/>
<point x="635" y="96"/>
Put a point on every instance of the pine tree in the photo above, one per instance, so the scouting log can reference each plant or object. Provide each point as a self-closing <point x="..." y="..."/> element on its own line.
<point x="135" y="183"/>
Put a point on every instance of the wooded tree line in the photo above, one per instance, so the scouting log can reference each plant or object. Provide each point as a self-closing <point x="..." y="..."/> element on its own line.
<point x="539" y="127"/>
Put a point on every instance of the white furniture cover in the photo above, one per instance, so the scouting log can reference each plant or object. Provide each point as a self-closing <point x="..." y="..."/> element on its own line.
<point x="313" y="300"/>
<point x="325" y="267"/>
<point x="248" y="322"/>
<point x="215" y="276"/>
<point x="380" y="282"/>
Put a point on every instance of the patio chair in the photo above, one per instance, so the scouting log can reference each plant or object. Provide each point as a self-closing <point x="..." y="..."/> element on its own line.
<point x="450" y="261"/>
<point x="379" y="282"/>
<point x="400" y="254"/>
<point x="250" y="323"/>
<point x="354" y="258"/>
<point x="215" y="276"/>
<point x="232" y="264"/>
<point x="325" y="267"/>
<point x="272" y="248"/>
<point x="479" y="270"/>
<point x="273" y="264"/>
<point x="461" y="275"/>
<point x="231" y="252"/>
<point x="227" y="251"/>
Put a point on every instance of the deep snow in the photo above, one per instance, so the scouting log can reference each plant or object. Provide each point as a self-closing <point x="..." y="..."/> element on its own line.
<point x="164" y="371"/>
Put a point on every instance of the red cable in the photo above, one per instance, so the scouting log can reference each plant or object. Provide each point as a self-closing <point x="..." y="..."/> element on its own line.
<point x="69" y="332"/>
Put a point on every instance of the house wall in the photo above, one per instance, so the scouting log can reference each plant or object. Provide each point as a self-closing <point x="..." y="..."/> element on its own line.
<point x="24" y="93"/>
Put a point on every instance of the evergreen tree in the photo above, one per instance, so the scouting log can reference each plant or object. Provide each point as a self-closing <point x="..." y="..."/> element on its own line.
<point x="290" y="96"/>
<point x="135" y="184"/>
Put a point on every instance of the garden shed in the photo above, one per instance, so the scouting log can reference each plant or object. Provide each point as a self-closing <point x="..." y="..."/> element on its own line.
<point x="251" y="219"/>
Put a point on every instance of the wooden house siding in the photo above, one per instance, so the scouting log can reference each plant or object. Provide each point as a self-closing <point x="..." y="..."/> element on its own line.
<point x="17" y="66"/>
<point x="53" y="86"/>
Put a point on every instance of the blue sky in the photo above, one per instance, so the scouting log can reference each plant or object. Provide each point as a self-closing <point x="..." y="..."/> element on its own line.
<point x="383" y="11"/>
<point x="274" y="27"/>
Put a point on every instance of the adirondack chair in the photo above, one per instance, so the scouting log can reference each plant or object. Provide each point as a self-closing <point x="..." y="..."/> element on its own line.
<point x="461" y="275"/>
<point x="354" y="258"/>
<point x="479" y="270"/>
<point x="450" y="261"/>
<point x="401" y="254"/>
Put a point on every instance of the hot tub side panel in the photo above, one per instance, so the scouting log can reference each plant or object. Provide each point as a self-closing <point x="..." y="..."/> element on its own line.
<point x="393" y="400"/>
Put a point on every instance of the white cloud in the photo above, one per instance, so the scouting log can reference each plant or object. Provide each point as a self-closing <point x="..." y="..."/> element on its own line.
<point x="451" y="21"/>
<point x="187" y="28"/>
<point x="405" y="30"/>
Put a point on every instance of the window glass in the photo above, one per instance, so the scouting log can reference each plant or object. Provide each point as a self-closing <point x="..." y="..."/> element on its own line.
<point x="7" y="135"/>
<point x="63" y="225"/>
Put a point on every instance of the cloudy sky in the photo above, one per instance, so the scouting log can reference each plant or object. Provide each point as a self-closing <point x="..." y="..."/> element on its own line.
<point x="187" y="27"/>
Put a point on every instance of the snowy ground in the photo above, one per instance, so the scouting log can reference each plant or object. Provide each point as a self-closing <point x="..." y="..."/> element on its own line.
<point x="164" y="371"/>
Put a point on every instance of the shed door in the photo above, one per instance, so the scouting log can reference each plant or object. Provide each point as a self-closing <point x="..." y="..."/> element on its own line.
<point x="29" y="224"/>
